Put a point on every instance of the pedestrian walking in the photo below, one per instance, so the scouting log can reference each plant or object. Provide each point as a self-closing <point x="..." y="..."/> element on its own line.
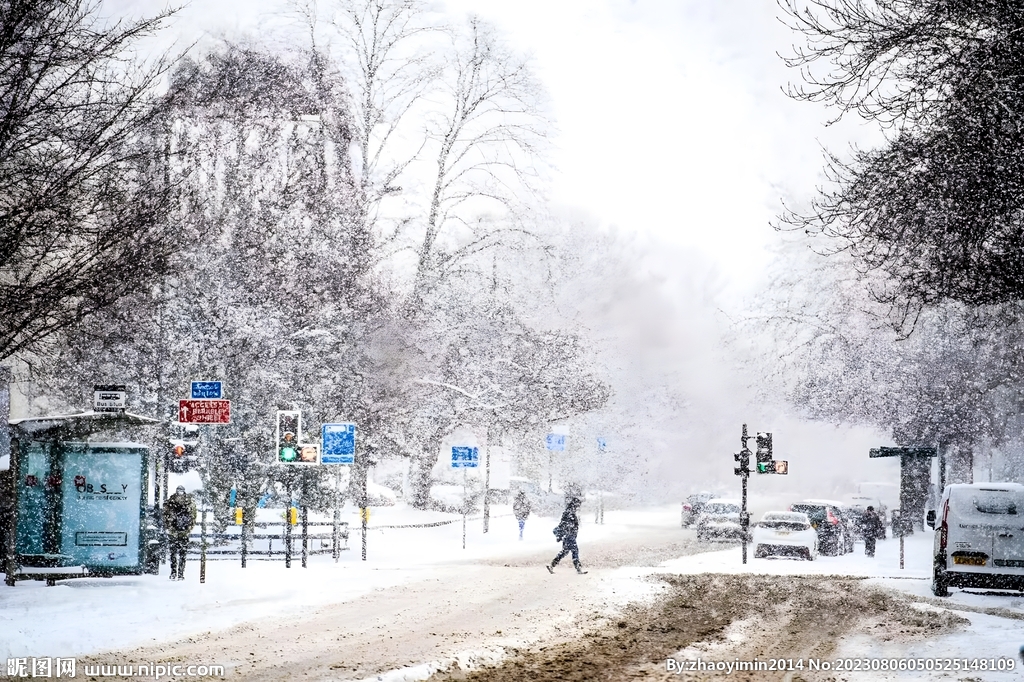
<point x="179" y="518"/>
<point x="565" y="532"/>
<point x="870" y="526"/>
<point x="521" y="509"/>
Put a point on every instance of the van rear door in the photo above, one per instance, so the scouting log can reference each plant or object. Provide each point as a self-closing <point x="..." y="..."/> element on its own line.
<point x="971" y="536"/>
<point x="1005" y="511"/>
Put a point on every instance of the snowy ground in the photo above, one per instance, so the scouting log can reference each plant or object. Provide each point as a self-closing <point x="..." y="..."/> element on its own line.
<point x="988" y="637"/>
<point x="88" y="616"/>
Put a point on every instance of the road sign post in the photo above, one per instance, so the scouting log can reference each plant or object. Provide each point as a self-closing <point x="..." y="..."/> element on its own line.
<point x="206" y="390"/>
<point x="465" y="458"/>
<point x="110" y="398"/>
<point x="196" y="411"/>
<point x="338" y="443"/>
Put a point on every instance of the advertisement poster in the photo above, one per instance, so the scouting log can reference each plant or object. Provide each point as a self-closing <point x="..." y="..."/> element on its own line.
<point x="102" y="489"/>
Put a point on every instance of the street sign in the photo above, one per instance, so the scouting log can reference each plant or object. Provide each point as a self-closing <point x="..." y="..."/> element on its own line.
<point x="204" y="411"/>
<point x="465" y="458"/>
<point x="902" y="452"/>
<point x="207" y="390"/>
<point x="555" y="441"/>
<point x="109" y="398"/>
<point x="338" y="444"/>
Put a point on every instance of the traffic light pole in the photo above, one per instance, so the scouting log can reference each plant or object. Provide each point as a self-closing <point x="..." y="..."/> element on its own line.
<point x="743" y="471"/>
<point x="744" y="516"/>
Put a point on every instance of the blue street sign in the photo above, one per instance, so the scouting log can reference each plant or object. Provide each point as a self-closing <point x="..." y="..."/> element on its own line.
<point x="206" y="390"/>
<point x="556" y="441"/>
<point x="463" y="457"/>
<point x="338" y="444"/>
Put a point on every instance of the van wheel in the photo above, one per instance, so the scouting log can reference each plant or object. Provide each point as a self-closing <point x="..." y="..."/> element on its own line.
<point x="940" y="584"/>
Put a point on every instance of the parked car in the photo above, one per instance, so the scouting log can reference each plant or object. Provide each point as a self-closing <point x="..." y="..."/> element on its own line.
<point x="829" y="522"/>
<point x="781" y="533"/>
<point x="693" y="506"/>
<point x="979" y="541"/>
<point x="720" y="520"/>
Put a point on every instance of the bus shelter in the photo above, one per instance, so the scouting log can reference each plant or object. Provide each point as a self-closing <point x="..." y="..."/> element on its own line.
<point x="79" y="497"/>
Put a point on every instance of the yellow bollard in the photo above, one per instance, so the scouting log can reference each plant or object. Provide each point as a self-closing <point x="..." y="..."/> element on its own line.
<point x="238" y="516"/>
<point x="293" y="515"/>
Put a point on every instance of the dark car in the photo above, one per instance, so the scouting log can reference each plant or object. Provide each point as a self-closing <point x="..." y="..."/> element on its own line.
<point x="831" y="524"/>
<point x="693" y="507"/>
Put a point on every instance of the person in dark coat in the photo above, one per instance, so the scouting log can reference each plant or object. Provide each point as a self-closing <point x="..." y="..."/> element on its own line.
<point x="870" y="527"/>
<point x="521" y="508"/>
<point x="179" y="518"/>
<point x="565" y="532"/>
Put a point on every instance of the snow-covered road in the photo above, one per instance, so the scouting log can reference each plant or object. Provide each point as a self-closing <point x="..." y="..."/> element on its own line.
<point x="421" y="602"/>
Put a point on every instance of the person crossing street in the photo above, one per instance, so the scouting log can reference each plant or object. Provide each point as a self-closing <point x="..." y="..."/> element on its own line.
<point x="566" y="532"/>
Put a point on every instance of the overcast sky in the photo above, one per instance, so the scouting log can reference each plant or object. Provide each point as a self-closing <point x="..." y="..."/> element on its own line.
<point x="671" y="117"/>
<point x="672" y="124"/>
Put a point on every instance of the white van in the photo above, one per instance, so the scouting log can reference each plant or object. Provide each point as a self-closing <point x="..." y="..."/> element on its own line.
<point x="979" y="541"/>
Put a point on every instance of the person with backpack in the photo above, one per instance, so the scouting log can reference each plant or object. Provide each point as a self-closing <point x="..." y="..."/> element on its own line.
<point x="871" y="525"/>
<point x="521" y="509"/>
<point x="179" y="518"/>
<point x="565" y="532"/>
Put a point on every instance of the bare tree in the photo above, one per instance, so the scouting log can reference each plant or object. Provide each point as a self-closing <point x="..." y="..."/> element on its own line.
<point x="450" y="109"/>
<point x="485" y="133"/>
<point x="938" y="210"/>
<point x="82" y="202"/>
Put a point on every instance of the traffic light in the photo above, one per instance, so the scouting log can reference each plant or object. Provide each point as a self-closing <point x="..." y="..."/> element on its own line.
<point x="182" y="456"/>
<point x="289" y="424"/>
<point x="743" y="458"/>
<point x="782" y="466"/>
<point x="765" y="465"/>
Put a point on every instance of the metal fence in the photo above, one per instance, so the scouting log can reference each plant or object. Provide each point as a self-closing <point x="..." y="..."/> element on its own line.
<point x="280" y="538"/>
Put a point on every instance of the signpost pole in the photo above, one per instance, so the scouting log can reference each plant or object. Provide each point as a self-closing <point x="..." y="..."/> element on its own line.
<point x="901" y="552"/>
<point x="245" y="548"/>
<point x="465" y="507"/>
<point x="202" y="545"/>
<point x="305" y="534"/>
<point x="288" y="531"/>
<point x="487" y="483"/>
<point x="337" y="513"/>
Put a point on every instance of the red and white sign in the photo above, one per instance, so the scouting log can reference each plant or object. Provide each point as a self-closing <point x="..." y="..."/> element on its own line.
<point x="204" y="411"/>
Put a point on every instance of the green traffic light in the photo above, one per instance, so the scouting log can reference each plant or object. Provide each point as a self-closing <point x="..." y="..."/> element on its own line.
<point x="762" y="467"/>
<point x="288" y="454"/>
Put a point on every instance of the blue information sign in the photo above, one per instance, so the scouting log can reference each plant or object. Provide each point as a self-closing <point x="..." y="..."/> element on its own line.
<point x="339" y="444"/>
<point x="464" y="457"/>
<point x="207" y="390"/>
<point x="556" y="441"/>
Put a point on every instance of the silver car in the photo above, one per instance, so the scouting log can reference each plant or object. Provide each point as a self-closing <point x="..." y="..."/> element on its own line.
<point x="720" y="520"/>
